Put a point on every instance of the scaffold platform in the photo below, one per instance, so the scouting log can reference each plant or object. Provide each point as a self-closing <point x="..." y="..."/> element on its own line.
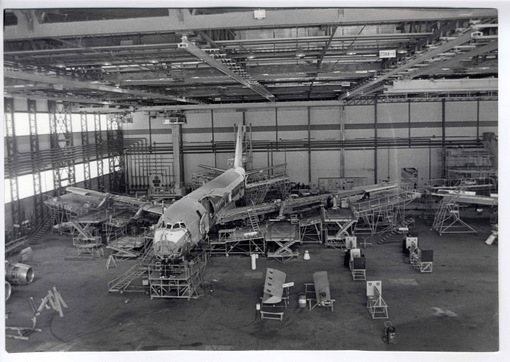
<point x="181" y="279"/>
<point x="243" y="241"/>
<point x="338" y="224"/>
<point x="284" y="234"/>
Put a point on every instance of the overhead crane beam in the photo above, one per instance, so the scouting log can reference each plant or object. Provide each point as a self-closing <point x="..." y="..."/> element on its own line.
<point x="228" y="67"/>
<point x="443" y="85"/>
<point x="464" y="38"/>
<point x="183" y="21"/>
<point x="456" y="59"/>
<point x="69" y="82"/>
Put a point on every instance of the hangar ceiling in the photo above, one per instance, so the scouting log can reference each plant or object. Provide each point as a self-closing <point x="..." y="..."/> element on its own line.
<point x="179" y="57"/>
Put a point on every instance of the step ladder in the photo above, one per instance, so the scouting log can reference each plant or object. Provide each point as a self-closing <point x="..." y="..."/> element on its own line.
<point x="254" y="220"/>
<point x="387" y="235"/>
<point x="447" y="219"/>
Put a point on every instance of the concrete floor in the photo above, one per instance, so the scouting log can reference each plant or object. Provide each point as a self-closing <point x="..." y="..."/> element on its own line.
<point x="455" y="308"/>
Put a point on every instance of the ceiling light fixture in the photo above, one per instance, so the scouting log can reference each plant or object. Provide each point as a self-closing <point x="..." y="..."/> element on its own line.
<point x="351" y="53"/>
<point x="251" y="55"/>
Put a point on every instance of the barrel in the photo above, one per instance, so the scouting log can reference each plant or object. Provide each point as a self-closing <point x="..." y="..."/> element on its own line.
<point x="302" y="300"/>
<point x="19" y="274"/>
<point x="7" y="290"/>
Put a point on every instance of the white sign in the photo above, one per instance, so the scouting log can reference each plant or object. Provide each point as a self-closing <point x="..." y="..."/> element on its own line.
<point x="387" y="53"/>
<point x="259" y="14"/>
<point x="288" y="285"/>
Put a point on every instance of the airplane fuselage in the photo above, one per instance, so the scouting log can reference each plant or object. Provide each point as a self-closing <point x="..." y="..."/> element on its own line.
<point x="187" y="221"/>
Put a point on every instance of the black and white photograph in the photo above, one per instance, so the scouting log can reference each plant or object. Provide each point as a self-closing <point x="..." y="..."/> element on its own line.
<point x="261" y="181"/>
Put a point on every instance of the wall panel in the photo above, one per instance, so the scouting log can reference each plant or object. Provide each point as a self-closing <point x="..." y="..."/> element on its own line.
<point x="460" y="119"/>
<point x="224" y="122"/>
<point x="198" y="127"/>
<point x="426" y="120"/>
<point x="488" y="117"/>
<point x="263" y="124"/>
<point x="325" y="164"/>
<point x="293" y="123"/>
<point x="392" y="120"/>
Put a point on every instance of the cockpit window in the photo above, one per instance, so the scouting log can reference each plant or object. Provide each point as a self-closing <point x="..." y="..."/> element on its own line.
<point x="169" y="226"/>
<point x="176" y="226"/>
<point x="182" y="225"/>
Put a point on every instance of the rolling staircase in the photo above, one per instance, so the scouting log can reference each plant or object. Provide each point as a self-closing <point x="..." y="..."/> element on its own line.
<point x="41" y="228"/>
<point x="447" y="219"/>
<point x="123" y="282"/>
<point x="390" y="234"/>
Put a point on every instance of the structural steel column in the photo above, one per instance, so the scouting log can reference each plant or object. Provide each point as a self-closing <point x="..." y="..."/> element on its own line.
<point x="309" y="149"/>
<point x="62" y="145"/>
<point x="409" y="121"/>
<point x="178" y="161"/>
<point x="375" y="140"/>
<point x="85" y="144"/>
<point x="110" y="146"/>
<point x="478" y="119"/>
<point x="276" y="127"/>
<point x="443" y="135"/>
<point x="36" y="163"/>
<point x="342" y="138"/>
<point x="55" y="148"/>
<point x="12" y="154"/>
<point x="99" y="153"/>
<point x="66" y="142"/>
<point x="212" y="139"/>
<point x="120" y="161"/>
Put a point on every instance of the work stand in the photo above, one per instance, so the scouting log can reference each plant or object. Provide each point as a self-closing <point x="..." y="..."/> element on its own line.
<point x="312" y="301"/>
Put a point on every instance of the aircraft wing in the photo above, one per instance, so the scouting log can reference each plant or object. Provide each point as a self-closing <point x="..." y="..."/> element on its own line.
<point x="465" y="198"/>
<point x="143" y="206"/>
<point x="153" y="209"/>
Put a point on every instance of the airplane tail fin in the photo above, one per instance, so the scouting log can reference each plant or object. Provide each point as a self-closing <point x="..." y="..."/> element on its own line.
<point x="238" y="158"/>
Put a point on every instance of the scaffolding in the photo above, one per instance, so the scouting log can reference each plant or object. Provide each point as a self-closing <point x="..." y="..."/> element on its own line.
<point x="338" y="224"/>
<point x="310" y="229"/>
<point x="473" y="166"/>
<point x="384" y="213"/>
<point x="238" y="241"/>
<point x="259" y="182"/>
<point x="181" y="279"/>
<point x="284" y="235"/>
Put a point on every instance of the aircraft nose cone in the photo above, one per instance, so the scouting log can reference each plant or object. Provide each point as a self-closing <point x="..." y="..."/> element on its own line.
<point x="168" y="245"/>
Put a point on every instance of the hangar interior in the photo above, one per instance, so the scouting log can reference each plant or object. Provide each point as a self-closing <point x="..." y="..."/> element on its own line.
<point x="369" y="159"/>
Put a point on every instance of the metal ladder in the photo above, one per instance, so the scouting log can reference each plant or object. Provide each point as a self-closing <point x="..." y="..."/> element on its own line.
<point x="254" y="220"/>
<point x="41" y="228"/>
